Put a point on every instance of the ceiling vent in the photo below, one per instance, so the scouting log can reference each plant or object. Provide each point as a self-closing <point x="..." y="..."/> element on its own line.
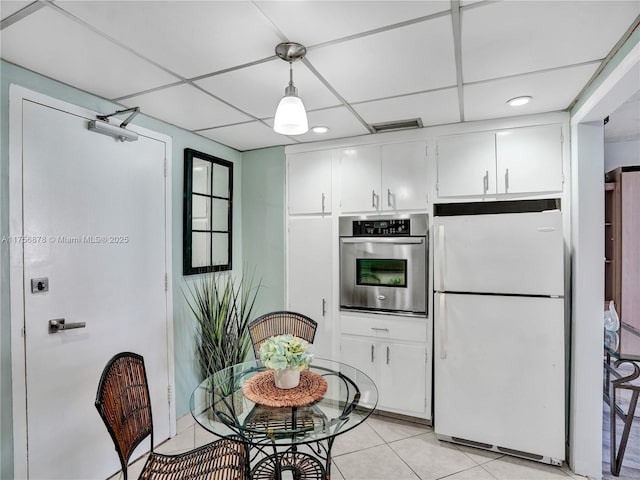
<point x="399" y="125"/>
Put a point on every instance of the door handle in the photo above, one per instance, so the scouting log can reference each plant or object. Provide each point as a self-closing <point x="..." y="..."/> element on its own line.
<point x="387" y="355"/>
<point x="372" y="348"/>
<point x="486" y="181"/>
<point x="324" y="307"/>
<point x="59" y="324"/>
<point x="323" y="197"/>
<point x="506" y="181"/>
<point x="443" y="327"/>
<point x="441" y="257"/>
<point x="373" y="199"/>
<point x="391" y="240"/>
<point x="389" y="195"/>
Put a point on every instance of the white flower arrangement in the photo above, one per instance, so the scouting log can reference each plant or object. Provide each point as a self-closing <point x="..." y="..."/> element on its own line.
<point x="285" y="351"/>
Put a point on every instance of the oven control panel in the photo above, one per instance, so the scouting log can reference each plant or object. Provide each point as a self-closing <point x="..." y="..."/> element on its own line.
<point x="396" y="227"/>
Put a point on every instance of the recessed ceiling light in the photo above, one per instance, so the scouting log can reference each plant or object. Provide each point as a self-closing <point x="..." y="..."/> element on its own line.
<point x="518" y="101"/>
<point x="320" y="129"/>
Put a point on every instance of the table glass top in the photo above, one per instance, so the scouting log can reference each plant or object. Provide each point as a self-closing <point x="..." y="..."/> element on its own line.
<point x="219" y="405"/>
<point x="623" y="344"/>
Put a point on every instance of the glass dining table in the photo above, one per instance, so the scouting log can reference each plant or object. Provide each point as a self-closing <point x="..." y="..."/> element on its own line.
<point x="285" y="430"/>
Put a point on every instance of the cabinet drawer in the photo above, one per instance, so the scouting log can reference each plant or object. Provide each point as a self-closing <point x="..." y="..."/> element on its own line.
<point x="386" y="326"/>
<point x="358" y="325"/>
<point x="403" y="328"/>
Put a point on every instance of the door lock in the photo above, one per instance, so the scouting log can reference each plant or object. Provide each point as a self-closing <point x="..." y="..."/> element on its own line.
<point x="39" y="285"/>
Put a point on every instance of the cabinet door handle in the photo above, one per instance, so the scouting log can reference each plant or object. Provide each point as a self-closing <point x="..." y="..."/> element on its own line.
<point x="387" y="355"/>
<point x="373" y="198"/>
<point x="323" y="202"/>
<point x="372" y="348"/>
<point x="506" y="180"/>
<point x="324" y="307"/>
<point x="389" y="195"/>
<point x="486" y="181"/>
<point x="380" y="329"/>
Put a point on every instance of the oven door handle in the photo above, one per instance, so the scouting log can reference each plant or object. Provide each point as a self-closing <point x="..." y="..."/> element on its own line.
<point x="393" y="240"/>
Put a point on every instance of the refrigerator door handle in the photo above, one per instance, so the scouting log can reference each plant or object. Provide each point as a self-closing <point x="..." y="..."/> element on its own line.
<point x="441" y="258"/>
<point x="443" y="327"/>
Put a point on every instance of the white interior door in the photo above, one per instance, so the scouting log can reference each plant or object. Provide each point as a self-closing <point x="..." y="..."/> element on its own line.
<point x="94" y="226"/>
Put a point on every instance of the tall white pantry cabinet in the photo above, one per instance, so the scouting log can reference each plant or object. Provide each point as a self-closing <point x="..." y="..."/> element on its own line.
<point x="310" y="269"/>
<point x="388" y="175"/>
<point x="369" y="179"/>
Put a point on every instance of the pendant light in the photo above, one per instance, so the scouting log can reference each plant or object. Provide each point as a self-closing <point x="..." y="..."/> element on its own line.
<point x="291" y="116"/>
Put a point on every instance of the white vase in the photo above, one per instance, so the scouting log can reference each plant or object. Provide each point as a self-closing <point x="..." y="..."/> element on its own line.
<point x="287" y="378"/>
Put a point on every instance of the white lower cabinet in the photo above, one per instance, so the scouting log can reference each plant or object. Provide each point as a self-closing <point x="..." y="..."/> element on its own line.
<point x="403" y="377"/>
<point x="400" y="368"/>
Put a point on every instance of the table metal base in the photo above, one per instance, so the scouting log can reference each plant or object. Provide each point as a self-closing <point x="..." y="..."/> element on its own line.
<point x="302" y="465"/>
<point x="620" y="383"/>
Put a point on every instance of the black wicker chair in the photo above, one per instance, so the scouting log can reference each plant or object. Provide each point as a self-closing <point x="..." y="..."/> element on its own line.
<point x="124" y="405"/>
<point x="281" y="323"/>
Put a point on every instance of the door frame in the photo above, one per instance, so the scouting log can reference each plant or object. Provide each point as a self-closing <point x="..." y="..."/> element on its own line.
<point x="614" y="86"/>
<point x="18" y="95"/>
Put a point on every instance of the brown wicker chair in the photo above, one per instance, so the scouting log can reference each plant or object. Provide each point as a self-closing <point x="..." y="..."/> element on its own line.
<point x="280" y="323"/>
<point x="124" y="405"/>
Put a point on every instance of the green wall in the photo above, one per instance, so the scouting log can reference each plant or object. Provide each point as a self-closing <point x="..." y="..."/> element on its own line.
<point x="263" y="218"/>
<point x="263" y="221"/>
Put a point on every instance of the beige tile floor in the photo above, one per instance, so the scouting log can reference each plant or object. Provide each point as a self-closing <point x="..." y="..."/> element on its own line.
<point x="384" y="448"/>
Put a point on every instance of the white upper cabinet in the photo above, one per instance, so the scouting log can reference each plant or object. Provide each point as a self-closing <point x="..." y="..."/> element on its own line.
<point x="529" y="159"/>
<point x="360" y="174"/>
<point x="384" y="178"/>
<point x="404" y="176"/>
<point x="466" y="164"/>
<point x="518" y="160"/>
<point x="309" y="182"/>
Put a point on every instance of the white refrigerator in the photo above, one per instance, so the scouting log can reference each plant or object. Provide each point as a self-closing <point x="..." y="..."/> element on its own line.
<point x="499" y="359"/>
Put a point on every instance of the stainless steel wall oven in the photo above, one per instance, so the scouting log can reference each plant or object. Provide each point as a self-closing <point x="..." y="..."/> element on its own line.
<point x="383" y="263"/>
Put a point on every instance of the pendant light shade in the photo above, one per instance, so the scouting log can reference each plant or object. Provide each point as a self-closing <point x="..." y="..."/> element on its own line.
<point x="291" y="116"/>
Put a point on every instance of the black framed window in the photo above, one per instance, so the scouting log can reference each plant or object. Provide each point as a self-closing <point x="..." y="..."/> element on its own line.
<point x="208" y="200"/>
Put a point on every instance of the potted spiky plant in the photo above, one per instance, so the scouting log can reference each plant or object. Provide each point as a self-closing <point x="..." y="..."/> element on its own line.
<point x="222" y="308"/>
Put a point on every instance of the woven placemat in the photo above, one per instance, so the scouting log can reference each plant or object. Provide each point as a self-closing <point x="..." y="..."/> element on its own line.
<point x="261" y="389"/>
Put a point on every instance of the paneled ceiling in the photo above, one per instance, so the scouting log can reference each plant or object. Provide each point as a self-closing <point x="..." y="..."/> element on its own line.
<point x="210" y="67"/>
